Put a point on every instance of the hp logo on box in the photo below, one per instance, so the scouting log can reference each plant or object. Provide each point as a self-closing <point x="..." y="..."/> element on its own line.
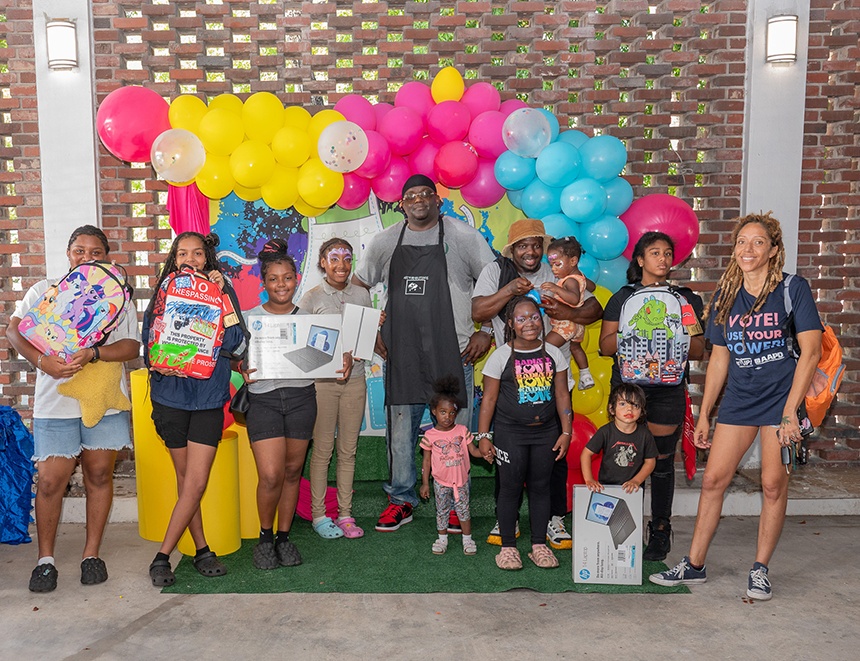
<point x="584" y="574"/>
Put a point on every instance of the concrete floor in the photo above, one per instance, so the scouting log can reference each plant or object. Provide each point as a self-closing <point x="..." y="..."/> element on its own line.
<point x="813" y="615"/>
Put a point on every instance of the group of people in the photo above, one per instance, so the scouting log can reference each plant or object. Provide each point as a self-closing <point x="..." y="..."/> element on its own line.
<point x="442" y="282"/>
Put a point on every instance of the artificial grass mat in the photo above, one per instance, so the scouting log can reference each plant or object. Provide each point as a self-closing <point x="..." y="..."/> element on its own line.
<point x="401" y="561"/>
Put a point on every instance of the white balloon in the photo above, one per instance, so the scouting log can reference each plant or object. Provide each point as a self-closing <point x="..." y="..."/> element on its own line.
<point x="526" y="132"/>
<point x="178" y="155"/>
<point x="343" y="146"/>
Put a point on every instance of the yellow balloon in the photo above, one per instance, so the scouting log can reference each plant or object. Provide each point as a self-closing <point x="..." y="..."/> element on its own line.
<point x="215" y="180"/>
<point x="319" y="186"/>
<point x="186" y="111"/>
<point x="291" y="146"/>
<point x="307" y="210"/>
<point x="601" y="369"/>
<point x="587" y="401"/>
<point x="247" y="194"/>
<point x="252" y="164"/>
<point x="229" y="102"/>
<point x="282" y="190"/>
<point x="263" y="116"/>
<point x="602" y="294"/>
<point x="319" y="121"/>
<point x="297" y="117"/>
<point x="591" y="342"/>
<point x="599" y="417"/>
<point x="448" y="85"/>
<point x="221" y="131"/>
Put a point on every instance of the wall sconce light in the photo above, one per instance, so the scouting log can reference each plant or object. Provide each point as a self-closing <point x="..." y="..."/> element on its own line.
<point x="781" y="39"/>
<point x="62" y="43"/>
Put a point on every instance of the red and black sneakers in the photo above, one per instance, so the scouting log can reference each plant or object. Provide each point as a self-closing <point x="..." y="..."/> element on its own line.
<point x="393" y="517"/>
<point x="454" y="527"/>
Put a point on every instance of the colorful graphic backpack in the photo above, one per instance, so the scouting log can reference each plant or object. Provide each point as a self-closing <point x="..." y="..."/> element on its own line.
<point x="654" y="332"/>
<point x="188" y="322"/>
<point x="79" y="311"/>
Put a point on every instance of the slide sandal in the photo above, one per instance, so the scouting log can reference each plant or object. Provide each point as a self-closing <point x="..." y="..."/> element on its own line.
<point x="327" y="529"/>
<point x="208" y="564"/>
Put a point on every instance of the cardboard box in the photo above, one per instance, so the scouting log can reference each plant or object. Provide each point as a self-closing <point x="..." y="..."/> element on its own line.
<point x="607" y="536"/>
<point x="360" y="325"/>
<point x="295" y="346"/>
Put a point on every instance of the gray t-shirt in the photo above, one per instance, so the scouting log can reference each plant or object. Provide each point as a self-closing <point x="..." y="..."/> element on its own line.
<point x="466" y="251"/>
<point x="268" y="385"/>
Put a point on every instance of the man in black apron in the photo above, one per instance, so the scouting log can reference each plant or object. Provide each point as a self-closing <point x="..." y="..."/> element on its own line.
<point x="426" y="324"/>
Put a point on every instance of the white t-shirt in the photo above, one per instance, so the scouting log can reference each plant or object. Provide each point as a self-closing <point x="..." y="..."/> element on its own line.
<point x="495" y="364"/>
<point x="49" y="403"/>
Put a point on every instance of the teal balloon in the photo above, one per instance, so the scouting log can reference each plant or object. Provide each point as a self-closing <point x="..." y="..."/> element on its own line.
<point x="558" y="225"/>
<point x="514" y="172"/>
<point x="589" y="267"/>
<point x="573" y="137"/>
<point x="540" y="200"/>
<point x="553" y="123"/>
<point x="515" y="197"/>
<point x="558" y="165"/>
<point x="605" y="238"/>
<point x="619" y="196"/>
<point x="612" y="273"/>
<point x="583" y="201"/>
<point x="603" y="157"/>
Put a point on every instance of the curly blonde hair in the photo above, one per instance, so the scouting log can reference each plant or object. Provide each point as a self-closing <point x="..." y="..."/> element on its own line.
<point x="731" y="281"/>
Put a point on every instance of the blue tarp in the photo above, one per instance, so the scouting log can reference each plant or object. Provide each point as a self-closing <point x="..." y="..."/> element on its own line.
<point x="16" y="477"/>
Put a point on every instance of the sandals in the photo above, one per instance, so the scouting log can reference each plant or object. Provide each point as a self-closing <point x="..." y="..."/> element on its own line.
<point x="469" y="547"/>
<point x="161" y="574"/>
<point x="209" y="565"/>
<point x="350" y="530"/>
<point x="543" y="557"/>
<point x="509" y="558"/>
<point x="265" y="556"/>
<point x="440" y="546"/>
<point x="93" y="571"/>
<point x="326" y="529"/>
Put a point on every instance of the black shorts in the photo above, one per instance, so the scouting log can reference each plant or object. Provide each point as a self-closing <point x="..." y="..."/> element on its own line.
<point x="665" y="406"/>
<point x="177" y="427"/>
<point x="282" y="413"/>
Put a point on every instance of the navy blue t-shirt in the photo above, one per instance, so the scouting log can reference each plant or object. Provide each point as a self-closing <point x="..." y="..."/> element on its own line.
<point x="760" y="368"/>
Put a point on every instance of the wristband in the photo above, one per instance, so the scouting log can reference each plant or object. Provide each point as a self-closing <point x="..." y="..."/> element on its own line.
<point x="483" y="435"/>
<point x="565" y="433"/>
<point x="95" y="354"/>
<point x="39" y="362"/>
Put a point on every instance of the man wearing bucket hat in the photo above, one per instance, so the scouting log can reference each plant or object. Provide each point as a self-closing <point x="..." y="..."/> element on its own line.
<point x="519" y="271"/>
<point x="429" y="265"/>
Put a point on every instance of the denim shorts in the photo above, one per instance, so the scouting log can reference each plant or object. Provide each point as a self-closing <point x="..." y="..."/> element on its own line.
<point x="66" y="437"/>
<point x="282" y="413"/>
<point x="178" y="426"/>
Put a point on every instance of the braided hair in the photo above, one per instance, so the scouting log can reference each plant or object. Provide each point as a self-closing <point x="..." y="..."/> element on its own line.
<point x="273" y="252"/>
<point x="210" y="243"/>
<point x="732" y="280"/>
<point x="510" y="335"/>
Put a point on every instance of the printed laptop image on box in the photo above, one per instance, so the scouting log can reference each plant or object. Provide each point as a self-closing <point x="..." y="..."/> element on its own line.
<point x="318" y="351"/>
<point x="614" y="513"/>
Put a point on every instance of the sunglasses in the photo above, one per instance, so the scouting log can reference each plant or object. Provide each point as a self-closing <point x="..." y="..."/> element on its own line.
<point x="424" y="195"/>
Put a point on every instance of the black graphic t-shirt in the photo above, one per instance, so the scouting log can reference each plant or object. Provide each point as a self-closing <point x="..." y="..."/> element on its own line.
<point x="623" y="454"/>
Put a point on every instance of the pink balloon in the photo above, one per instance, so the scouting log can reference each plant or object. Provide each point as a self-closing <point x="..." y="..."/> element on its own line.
<point x="481" y="97"/>
<point x="448" y="121"/>
<point x="415" y="96"/>
<point x="662" y="213"/>
<point x="403" y="129"/>
<point x="381" y="110"/>
<point x="485" y="134"/>
<point x="357" y="110"/>
<point x="389" y="185"/>
<point x="129" y="120"/>
<point x="510" y="105"/>
<point x="456" y="164"/>
<point x="378" y="156"/>
<point x="355" y="191"/>
<point x="483" y="191"/>
<point x="421" y="160"/>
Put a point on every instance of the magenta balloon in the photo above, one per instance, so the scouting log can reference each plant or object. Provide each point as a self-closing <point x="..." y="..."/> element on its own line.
<point x="483" y="191"/>
<point x="355" y="191"/>
<point x="403" y="129"/>
<point x="381" y="110"/>
<point x="421" y="160"/>
<point x="456" y="164"/>
<point x="129" y="120"/>
<point x="485" y="134"/>
<point x="378" y="156"/>
<point x="448" y="121"/>
<point x="662" y="213"/>
<point x="510" y="105"/>
<point x="415" y="96"/>
<point x="389" y="184"/>
<point x="357" y="110"/>
<point x="481" y="97"/>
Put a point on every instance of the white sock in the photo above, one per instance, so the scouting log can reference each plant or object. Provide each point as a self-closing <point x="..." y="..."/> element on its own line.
<point x="48" y="559"/>
<point x="443" y="539"/>
<point x="88" y="557"/>
<point x="466" y="538"/>
<point x="583" y="370"/>
<point x="317" y="519"/>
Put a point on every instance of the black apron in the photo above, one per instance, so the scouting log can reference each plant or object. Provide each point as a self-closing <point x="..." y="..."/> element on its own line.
<point x="419" y="332"/>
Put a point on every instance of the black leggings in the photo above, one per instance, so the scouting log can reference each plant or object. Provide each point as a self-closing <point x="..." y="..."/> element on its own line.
<point x="557" y="487"/>
<point x="663" y="477"/>
<point x="518" y="464"/>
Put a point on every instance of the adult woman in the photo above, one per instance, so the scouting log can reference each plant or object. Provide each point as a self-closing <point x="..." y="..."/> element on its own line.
<point x="665" y="404"/>
<point x="764" y="388"/>
<point x="60" y="435"/>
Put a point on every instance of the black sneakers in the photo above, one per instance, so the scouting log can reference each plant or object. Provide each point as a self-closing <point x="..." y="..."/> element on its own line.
<point x="93" y="571"/>
<point x="394" y="516"/>
<point x="659" y="541"/>
<point x="43" y="578"/>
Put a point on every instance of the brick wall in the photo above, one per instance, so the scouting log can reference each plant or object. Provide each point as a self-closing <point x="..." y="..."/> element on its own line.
<point x="666" y="77"/>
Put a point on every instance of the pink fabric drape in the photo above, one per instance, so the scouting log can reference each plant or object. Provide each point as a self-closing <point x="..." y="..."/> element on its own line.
<point x="188" y="209"/>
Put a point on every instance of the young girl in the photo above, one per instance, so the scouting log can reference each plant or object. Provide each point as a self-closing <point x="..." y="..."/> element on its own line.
<point x="189" y="413"/>
<point x="340" y="402"/>
<point x="563" y="256"/>
<point x="60" y="435"/>
<point x="525" y="389"/>
<point x="446" y="455"/>
<point x="280" y="421"/>
<point x="629" y="451"/>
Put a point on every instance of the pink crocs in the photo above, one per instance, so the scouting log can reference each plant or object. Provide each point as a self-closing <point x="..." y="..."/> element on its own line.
<point x="350" y="530"/>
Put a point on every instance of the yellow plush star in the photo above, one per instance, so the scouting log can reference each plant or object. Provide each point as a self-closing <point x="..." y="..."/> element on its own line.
<point x="96" y="387"/>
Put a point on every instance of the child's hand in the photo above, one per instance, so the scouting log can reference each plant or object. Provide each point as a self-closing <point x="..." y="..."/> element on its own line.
<point x="347" y="366"/>
<point x="382" y="317"/>
<point x="57" y="368"/>
<point x="487" y="450"/>
<point x="424" y="491"/>
<point x="630" y="486"/>
<point x="216" y="277"/>
<point x="246" y="374"/>
<point x="594" y="485"/>
<point x="549" y="288"/>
